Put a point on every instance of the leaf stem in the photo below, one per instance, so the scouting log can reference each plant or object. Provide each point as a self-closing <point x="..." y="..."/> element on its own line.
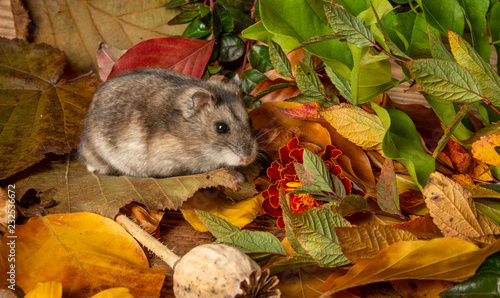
<point x="252" y="11"/>
<point x="148" y="241"/>
<point x="486" y="101"/>
<point x="245" y="58"/>
<point x="449" y="130"/>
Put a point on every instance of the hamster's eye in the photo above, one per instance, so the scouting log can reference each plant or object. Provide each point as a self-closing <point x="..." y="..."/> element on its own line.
<point x="221" y="128"/>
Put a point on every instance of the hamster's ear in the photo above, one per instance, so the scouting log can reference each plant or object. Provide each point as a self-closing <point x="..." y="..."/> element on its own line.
<point x="196" y="102"/>
<point x="236" y="81"/>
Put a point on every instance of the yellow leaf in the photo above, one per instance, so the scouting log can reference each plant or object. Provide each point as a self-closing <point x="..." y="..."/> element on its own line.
<point x="86" y="252"/>
<point x="114" y="293"/>
<point x="364" y="242"/>
<point x="442" y="259"/>
<point x="453" y="209"/>
<point x="357" y="125"/>
<point x="50" y="289"/>
<point x="484" y="149"/>
<point x="215" y="202"/>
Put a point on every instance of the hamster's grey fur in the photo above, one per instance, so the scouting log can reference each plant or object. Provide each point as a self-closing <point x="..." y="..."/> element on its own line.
<point x="160" y="123"/>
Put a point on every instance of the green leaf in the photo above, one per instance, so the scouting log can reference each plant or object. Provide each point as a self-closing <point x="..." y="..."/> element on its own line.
<point x="353" y="203"/>
<point x="318" y="173"/>
<point x="216" y="225"/>
<point x="243" y="5"/>
<point x="197" y="29"/>
<point x="279" y="60"/>
<point x="260" y="245"/>
<point x="446" y="112"/>
<point x="299" y="20"/>
<point x="345" y="25"/>
<point x="315" y="230"/>
<point x="340" y="83"/>
<point x="489" y="207"/>
<point x="217" y="16"/>
<point x="259" y="32"/>
<point x="231" y="48"/>
<point x="486" y="77"/>
<point x="250" y="79"/>
<point x="308" y="81"/>
<point x="272" y="89"/>
<point x="437" y="47"/>
<point x="369" y="80"/>
<point x="407" y="30"/>
<point x="307" y="189"/>
<point x="238" y="20"/>
<point x="259" y="58"/>
<point x="184" y="17"/>
<point x="297" y="260"/>
<point x="287" y="220"/>
<point x="402" y="143"/>
<point x="443" y="15"/>
<point x="315" y="39"/>
<point x="475" y="14"/>
<point x="483" y="284"/>
<point x="494" y="22"/>
<point x="445" y="79"/>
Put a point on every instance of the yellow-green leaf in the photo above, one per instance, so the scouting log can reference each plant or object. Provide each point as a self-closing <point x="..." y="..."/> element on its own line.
<point x="356" y="125"/>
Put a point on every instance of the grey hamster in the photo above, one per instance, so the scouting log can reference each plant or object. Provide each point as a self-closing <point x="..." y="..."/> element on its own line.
<point x="160" y="123"/>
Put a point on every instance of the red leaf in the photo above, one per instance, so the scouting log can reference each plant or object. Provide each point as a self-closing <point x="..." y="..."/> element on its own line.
<point x="184" y="55"/>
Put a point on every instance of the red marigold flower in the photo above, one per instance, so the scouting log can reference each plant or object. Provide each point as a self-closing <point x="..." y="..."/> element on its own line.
<point x="282" y="174"/>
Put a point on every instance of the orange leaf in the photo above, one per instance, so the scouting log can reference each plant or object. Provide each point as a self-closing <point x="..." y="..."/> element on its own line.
<point x="366" y="241"/>
<point x="453" y="209"/>
<point x="422" y="227"/>
<point x="86" y="252"/>
<point x="442" y="258"/>
<point x="485" y="149"/>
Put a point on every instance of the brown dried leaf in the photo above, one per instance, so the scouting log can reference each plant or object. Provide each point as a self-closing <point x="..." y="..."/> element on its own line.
<point x="14" y="19"/>
<point x="75" y="189"/>
<point x="40" y="113"/>
<point x="78" y="27"/>
<point x="453" y="209"/>
<point x="421" y="226"/>
<point x="366" y="241"/>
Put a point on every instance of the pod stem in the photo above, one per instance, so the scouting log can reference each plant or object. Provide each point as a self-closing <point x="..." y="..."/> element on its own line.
<point x="148" y="241"/>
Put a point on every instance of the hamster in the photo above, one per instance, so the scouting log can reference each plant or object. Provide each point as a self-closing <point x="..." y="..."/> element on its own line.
<point x="160" y="123"/>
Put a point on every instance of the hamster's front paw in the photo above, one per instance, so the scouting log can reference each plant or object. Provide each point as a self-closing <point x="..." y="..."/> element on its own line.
<point x="239" y="176"/>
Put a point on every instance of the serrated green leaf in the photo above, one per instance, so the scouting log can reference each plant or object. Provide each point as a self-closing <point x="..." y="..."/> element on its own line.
<point x="259" y="58"/>
<point x="315" y="230"/>
<point x="486" y="77"/>
<point x="279" y="60"/>
<point x="437" y="47"/>
<point x="315" y="39"/>
<point x="308" y="81"/>
<point x="291" y="262"/>
<point x="340" y="83"/>
<point x="318" y="173"/>
<point x="485" y="283"/>
<point x="353" y="203"/>
<point x="353" y="29"/>
<point x="259" y="245"/>
<point x="287" y="220"/>
<point x="272" y="89"/>
<point x="307" y="189"/>
<point x="216" y="225"/>
<point x="445" y="79"/>
<point x="402" y="143"/>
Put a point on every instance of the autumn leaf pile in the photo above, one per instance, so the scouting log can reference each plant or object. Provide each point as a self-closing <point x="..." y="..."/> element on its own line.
<point x="378" y="126"/>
